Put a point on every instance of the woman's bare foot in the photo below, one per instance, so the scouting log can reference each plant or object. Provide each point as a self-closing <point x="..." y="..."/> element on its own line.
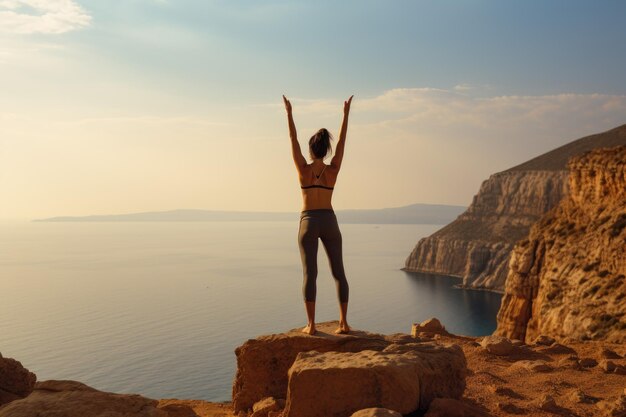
<point x="309" y="329"/>
<point x="343" y="328"/>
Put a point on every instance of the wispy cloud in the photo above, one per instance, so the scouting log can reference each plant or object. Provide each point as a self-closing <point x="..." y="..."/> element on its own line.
<point x="42" y="16"/>
<point x="416" y="108"/>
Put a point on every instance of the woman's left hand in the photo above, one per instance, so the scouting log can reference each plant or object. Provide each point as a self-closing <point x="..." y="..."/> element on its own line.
<point x="346" y="105"/>
<point x="287" y="104"/>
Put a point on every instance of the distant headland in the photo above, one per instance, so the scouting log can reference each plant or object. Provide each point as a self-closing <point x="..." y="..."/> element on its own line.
<point x="411" y="214"/>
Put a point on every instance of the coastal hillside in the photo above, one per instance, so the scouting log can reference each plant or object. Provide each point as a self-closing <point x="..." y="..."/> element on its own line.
<point x="477" y="245"/>
<point x="568" y="278"/>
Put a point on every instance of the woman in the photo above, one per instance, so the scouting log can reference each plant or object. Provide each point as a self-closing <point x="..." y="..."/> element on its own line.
<point x="317" y="219"/>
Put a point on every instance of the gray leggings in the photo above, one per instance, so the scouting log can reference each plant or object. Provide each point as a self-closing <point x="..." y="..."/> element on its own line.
<point x="322" y="224"/>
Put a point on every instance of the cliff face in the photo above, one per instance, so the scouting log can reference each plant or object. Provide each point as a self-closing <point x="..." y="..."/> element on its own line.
<point x="567" y="279"/>
<point x="477" y="245"/>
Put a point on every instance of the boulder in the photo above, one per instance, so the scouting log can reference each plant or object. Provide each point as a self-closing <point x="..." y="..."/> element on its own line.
<point x="403" y="378"/>
<point x="428" y="327"/>
<point x="266" y="405"/>
<point x="56" y="398"/>
<point x="497" y="345"/>
<point x="376" y="412"/>
<point x="263" y="363"/>
<point x="15" y="380"/>
<point x="442" y="368"/>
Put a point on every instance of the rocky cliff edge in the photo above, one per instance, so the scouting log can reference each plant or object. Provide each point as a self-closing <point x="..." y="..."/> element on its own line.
<point x="567" y="279"/>
<point x="477" y="245"/>
<point x="449" y="375"/>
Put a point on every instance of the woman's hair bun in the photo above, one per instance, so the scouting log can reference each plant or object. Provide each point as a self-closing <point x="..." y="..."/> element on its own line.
<point x="319" y="144"/>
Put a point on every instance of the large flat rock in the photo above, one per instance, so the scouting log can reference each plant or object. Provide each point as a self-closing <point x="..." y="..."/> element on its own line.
<point x="403" y="378"/>
<point x="263" y="363"/>
<point x="337" y="384"/>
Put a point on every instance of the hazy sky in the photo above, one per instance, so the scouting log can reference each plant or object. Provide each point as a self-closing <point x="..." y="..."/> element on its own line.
<point x="136" y="105"/>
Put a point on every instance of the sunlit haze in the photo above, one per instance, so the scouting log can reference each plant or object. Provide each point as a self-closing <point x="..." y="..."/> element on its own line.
<point x="125" y="106"/>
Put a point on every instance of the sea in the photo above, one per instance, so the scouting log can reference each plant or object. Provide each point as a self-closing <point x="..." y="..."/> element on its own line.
<point x="158" y="308"/>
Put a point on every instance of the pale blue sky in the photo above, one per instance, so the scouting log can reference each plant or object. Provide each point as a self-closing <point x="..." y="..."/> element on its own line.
<point x="153" y="101"/>
<point x="252" y="49"/>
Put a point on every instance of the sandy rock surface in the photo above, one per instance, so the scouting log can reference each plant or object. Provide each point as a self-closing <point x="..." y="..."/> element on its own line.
<point x="263" y="363"/>
<point x="335" y="384"/>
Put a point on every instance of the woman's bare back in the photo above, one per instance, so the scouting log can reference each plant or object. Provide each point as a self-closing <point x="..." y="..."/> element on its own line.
<point x="317" y="182"/>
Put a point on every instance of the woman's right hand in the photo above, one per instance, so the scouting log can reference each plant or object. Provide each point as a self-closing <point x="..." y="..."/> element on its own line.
<point x="287" y="104"/>
<point x="346" y="105"/>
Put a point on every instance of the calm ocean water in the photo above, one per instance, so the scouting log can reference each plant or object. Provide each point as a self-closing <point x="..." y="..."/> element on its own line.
<point x="158" y="308"/>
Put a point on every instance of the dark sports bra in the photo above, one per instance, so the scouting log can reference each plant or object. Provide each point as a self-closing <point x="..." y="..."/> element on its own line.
<point x="317" y="179"/>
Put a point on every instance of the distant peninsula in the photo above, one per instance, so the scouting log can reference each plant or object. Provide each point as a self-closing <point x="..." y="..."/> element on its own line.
<point x="411" y="214"/>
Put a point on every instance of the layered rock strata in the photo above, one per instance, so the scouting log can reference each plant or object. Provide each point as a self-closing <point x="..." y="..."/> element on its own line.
<point x="372" y="370"/>
<point x="567" y="279"/>
<point x="477" y="245"/>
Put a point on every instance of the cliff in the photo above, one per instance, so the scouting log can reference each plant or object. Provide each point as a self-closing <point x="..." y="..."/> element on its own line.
<point x="477" y="245"/>
<point x="567" y="279"/>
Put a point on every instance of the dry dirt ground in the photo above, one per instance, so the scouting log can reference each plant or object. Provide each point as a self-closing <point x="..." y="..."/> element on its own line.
<point x="534" y="380"/>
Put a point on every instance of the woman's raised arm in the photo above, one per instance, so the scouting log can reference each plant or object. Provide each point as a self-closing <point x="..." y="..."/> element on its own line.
<point x="295" y="145"/>
<point x="341" y="143"/>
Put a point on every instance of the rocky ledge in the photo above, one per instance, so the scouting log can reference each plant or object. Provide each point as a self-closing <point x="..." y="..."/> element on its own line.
<point x="329" y="375"/>
<point x="568" y="278"/>
<point x="432" y="372"/>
